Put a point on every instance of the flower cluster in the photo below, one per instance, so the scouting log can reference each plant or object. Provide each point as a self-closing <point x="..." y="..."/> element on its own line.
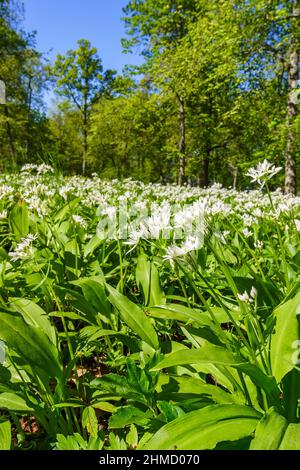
<point x="24" y="249"/>
<point x="263" y="172"/>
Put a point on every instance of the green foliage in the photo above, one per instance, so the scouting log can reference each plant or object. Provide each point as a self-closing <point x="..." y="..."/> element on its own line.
<point x="115" y="346"/>
<point x="5" y="435"/>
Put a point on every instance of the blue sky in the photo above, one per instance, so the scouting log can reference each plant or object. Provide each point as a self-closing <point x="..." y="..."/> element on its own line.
<point x="60" y="23"/>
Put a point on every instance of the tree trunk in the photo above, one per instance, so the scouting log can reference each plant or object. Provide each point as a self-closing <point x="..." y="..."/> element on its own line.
<point x="85" y="142"/>
<point x="28" y="123"/>
<point x="182" y="160"/>
<point x="205" y="169"/>
<point x="10" y="137"/>
<point x="235" y="175"/>
<point x="293" y="76"/>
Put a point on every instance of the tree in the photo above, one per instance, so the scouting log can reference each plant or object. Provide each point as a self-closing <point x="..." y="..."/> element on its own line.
<point x="158" y="26"/>
<point x="81" y="79"/>
<point x="22" y="117"/>
<point x="271" y="29"/>
<point x="132" y="134"/>
<point x="292" y="111"/>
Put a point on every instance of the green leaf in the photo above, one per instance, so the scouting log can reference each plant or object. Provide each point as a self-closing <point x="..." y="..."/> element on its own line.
<point x="169" y="411"/>
<point x="185" y="314"/>
<point x="104" y="406"/>
<point x="269" y="432"/>
<point x="127" y="415"/>
<point x="261" y="380"/>
<point x="5" y="435"/>
<point x="13" y="402"/>
<point x="66" y="442"/>
<point x="178" y="388"/>
<point x="35" y="316"/>
<point x="32" y="345"/>
<point x="179" y="313"/>
<point x="285" y="338"/>
<point x="147" y="276"/>
<point x="134" y="317"/>
<point x="19" y="220"/>
<point x="92" y="245"/>
<point x="291" y="439"/>
<point x="95" y="294"/>
<point x="206" y="354"/>
<point x="205" y="428"/>
<point x="132" y="437"/>
<point x="274" y="432"/>
<point x="90" y="421"/>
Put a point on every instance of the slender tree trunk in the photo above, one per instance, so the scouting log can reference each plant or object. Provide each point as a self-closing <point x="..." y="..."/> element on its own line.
<point x="293" y="77"/>
<point x="235" y="175"/>
<point x="85" y="142"/>
<point x="205" y="168"/>
<point x="182" y="146"/>
<point x="10" y="136"/>
<point x="28" y="124"/>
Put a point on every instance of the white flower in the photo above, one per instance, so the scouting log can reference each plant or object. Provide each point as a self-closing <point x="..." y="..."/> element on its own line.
<point x="3" y="215"/>
<point x="175" y="251"/>
<point x="258" y="244"/>
<point x="79" y="220"/>
<point x="246" y="232"/>
<point x="253" y="292"/>
<point x="263" y="172"/>
<point x="24" y="249"/>
<point x="135" y="235"/>
<point x="245" y="297"/>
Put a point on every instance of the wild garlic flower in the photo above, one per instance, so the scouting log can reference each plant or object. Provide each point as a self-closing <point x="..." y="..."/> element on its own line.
<point x="79" y="221"/>
<point x="258" y="244"/>
<point x="263" y="172"/>
<point x="246" y="232"/>
<point x="175" y="251"/>
<point x="248" y="298"/>
<point x="24" y="249"/>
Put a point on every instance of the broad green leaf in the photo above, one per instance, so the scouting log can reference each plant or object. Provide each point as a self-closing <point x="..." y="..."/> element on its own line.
<point x="269" y="432"/>
<point x="31" y="344"/>
<point x="291" y="438"/>
<point x="180" y="313"/>
<point x="205" y="428"/>
<point x="191" y="315"/>
<point x="90" y="421"/>
<point x="206" y="354"/>
<point x="285" y="338"/>
<point x="35" y="316"/>
<point x="79" y="303"/>
<point x="261" y="380"/>
<point x="104" y="406"/>
<point x="178" y="388"/>
<point x="147" y="276"/>
<point x="13" y="402"/>
<point x="5" y="435"/>
<point x="95" y="294"/>
<point x="290" y="387"/>
<point x="134" y="317"/>
<point x="92" y="245"/>
<point x="127" y="415"/>
<point x="19" y="220"/>
<point x="169" y="410"/>
<point x="132" y="437"/>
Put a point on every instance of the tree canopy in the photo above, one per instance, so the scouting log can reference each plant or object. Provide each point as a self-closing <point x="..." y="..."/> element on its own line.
<point x="218" y="91"/>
